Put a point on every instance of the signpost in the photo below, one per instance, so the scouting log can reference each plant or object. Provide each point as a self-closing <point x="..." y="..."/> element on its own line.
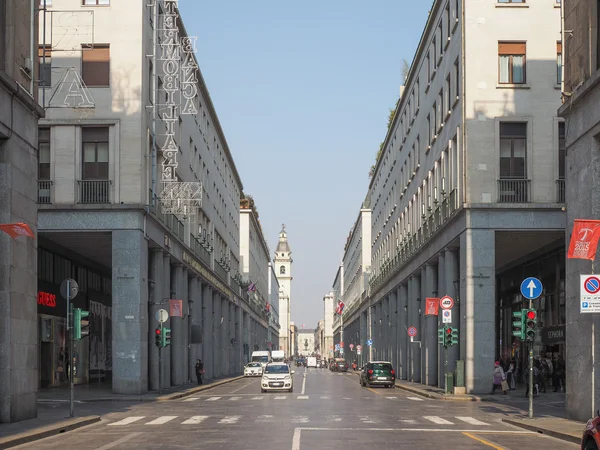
<point x="351" y="346"/>
<point x="531" y="288"/>
<point x="447" y="316"/>
<point x="359" y="349"/>
<point x="590" y="294"/>
<point x="161" y="316"/>
<point x="446" y="302"/>
<point x="369" y="342"/>
<point x="69" y="290"/>
<point x="412" y="332"/>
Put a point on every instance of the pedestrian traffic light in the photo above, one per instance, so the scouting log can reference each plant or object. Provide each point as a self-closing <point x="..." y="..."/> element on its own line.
<point x="531" y="319"/>
<point x="81" y="324"/>
<point x="157" y="338"/>
<point x="519" y="324"/>
<point x="166" y="337"/>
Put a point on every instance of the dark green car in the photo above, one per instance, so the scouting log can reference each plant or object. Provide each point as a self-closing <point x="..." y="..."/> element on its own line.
<point x="378" y="373"/>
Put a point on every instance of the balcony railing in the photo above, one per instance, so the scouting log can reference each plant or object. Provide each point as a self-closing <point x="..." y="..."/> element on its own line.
<point x="94" y="191"/>
<point x="175" y="225"/>
<point x="560" y="190"/>
<point x="44" y="192"/>
<point x="514" y="191"/>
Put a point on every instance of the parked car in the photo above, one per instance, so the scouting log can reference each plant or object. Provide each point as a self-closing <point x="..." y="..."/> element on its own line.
<point x="378" y="373"/>
<point x="341" y="366"/>
<point x="277" y="377"/>
<point x="591" y="434"/>
<point x="253" y="369"/>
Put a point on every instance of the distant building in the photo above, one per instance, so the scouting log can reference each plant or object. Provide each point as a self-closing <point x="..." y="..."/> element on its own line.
<point x="283" y="269"/>
<point x="306" y="341"/>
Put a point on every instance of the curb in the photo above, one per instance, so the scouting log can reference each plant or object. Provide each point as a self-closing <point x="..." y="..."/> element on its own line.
<point x="47" y="431"/>
<point x="555" y="434"/>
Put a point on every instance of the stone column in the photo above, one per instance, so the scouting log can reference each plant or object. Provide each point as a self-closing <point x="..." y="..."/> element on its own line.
<point x="403" y="359"/>
<point x="393" y="344"/>
<point x="217" y="341"/>
<point x="364" y="330"/>
<point x="208" y="320"/>
<point x="225" y="345"/>
<point x="156" y="292"/>
<point x="451" y="275"/>
<point x="191" y="320"/>
<point x="431" y="372"/>
<point x="423" y="327"/>
<point x="441" y="272"/>
<point x="129" y="312"/>
<point x="414" y="307"/>
<point x="477" y="269"/>
<point x="177" y="342"/>
<point x="240" y="339"/>
<point x="165" y="359"/>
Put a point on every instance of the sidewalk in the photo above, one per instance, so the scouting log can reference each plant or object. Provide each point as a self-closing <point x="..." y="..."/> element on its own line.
<point x="53" y="412"/>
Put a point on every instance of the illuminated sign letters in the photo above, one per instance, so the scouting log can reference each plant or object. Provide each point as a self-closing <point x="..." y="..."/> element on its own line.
<point x="46" y="299"/>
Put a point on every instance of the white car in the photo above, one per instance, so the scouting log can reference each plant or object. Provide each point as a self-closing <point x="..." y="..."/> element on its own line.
<point x="277" y="377"/>
<point x="253" y="369"/>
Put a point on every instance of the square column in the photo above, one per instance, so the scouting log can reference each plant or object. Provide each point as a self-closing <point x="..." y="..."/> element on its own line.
<point x="207" y="330"/>
<point x="402" y="332"/>
<point x="194" y="320"/>
<point x="218" y="319"/>
<point x="431" y="346"/>
<point x="129" y="312"/>
<point x="156" y="292"/>
<point x="177" y="331"/>
<point x="165" y="380"/>
<point x="414" y="306"/>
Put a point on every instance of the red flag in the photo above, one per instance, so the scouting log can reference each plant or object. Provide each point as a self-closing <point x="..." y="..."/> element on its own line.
<point x="340" y="307"/>
<point x="14" y="230"/>
<point x="584" y="239"/>
<point x="431" y="306"/>
<point x="176" y="308"/>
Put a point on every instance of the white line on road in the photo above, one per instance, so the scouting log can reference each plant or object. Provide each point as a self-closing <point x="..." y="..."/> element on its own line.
<point x="125" y="438"/>
<point x="410" y="421"/>
<point x="235" y="398"/>
<point x="191" y="399"/>
<point x="296" y="439"/>
<point x="264" y="418"/>
<point x="230" y="419"/>
<point x="324" y="397"/>
<point x="161" y="420"/>
<point x="391" y="398"/>
<point x="472" y="420"/>
<point x="242" y="387"/>
<point x="127" y="421"/>
<point x="429" y="430"/>
<point x="333" y="418"/>
<point x="437" y="420"/>
<point x="257" y="398"/>
<point x="303" y="384"/>
<point x="299" y="419"/>
<point x="280" y="397"/>
<point x="303" y="397"/>
<point x="416" y="399"/>
<point x="212" y="399"/>
<point x="366" y="419"/>
<point x="194" y="420"/>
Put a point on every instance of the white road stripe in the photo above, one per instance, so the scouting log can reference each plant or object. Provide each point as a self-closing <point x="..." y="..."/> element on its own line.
<point x="416" y="399"/>
<point x="303" y="383"/>
<point x="264" y="418"/>
<point x="299" y="419"/>
<point x="411" y="421"/>
<point x="161" y="420"/>
<point x="212" y="399"/>
<point x="324" y="397"/>
<point x="280" y="397"/>
<point x="113" y="444"/>
<point x="257" y="398"/>
<point x="235" y="398"/>
<point x="230" y="419"/>
<point x="366" y="419"/>
<point x="127" y="421"/>
<point x="472" y="420"/>
<point x="302" y="397"/>
<point x="192" y="399"/>
<point x="391" y="398"/>
<point x="333" y="418"/>
<point x="438" y="420"/>
<point x="194" y="420"/>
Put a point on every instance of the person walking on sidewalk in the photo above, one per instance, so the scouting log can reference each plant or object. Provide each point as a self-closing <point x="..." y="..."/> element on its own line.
<point x="199" y="371"/>
<point x="499" y="378"/>
<point x="511" y="375"/>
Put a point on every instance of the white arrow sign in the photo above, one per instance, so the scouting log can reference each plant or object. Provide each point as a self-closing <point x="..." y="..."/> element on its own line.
<point x="531" y="286"/>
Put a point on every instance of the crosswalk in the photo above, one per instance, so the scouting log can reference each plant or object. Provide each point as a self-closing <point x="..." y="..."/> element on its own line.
<point x="369" y="420"/>
<point x="286" y="397"/>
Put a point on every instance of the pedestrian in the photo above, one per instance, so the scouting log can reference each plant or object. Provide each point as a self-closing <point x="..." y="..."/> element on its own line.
<point x="199" y="371"/>
<point x="511" y="375"/>
<point x="536" y="375"/>
<point x="559" y="374"/>
<point x="498" y="378"/>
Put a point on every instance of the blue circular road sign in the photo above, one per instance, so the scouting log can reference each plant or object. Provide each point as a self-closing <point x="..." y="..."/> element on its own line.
<point x="531" y="288"/>
<point x="369" y="342"/>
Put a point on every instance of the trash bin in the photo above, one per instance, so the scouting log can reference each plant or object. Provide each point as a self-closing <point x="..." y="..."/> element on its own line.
<point x="449" y="383"/>
<point x="460" y="373"/>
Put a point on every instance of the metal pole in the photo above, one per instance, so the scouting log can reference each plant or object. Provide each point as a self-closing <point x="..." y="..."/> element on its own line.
<point x="160" y="361"/>
<point x="531" y="373"/>
<point x="71" y="356"/>
<point x="446" y="369"/>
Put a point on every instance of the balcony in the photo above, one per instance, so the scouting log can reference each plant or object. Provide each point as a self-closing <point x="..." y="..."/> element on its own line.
<point x="94" y="192"/>
<point x="560" y="190"/>
<point x="514" y="191"/>
<point x="44" y="192"/>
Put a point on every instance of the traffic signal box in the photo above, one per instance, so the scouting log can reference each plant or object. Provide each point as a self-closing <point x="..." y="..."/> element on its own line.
<point x="447" y="336"/>
<point x="525" y="325"/>
<point x="157" y="338"/>
<point x="166" y="337"/>
<point x="81" y="324"/>
<point x="519" y="324"/>
<point x="530" y="323"/>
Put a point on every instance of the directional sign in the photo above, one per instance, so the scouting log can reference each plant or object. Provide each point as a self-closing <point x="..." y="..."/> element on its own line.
<point x="369" y="342"/>
<point x="412" y="331"/>
<point x="531" y="288"/>
<point x="447" y="316"/>
<point x="446" y="302"/>
<point x="337" y="347"/>
<point x="590" y="294"/>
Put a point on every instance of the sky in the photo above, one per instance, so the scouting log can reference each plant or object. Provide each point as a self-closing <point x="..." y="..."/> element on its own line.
<point x="302" y="90"/>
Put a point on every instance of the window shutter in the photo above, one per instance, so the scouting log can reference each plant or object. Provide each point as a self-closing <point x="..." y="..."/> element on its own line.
<point x="95" y="65"/>
<point x="559" y="47"/>
<point x="511" y="48"/>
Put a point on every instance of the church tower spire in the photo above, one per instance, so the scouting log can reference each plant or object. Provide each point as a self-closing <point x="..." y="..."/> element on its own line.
<point x="283" y="271"/>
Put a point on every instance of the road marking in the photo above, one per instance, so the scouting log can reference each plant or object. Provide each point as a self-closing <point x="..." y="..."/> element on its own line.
<point x="324" y="397"/>
<point x="347" y="398"/>
<point x="264" y="418"/>
<point x="242" y="387"/>
<point x="194" y="420"/>
<point x="127" y="421"/>
<point x="302" y="397"/>
<point x="192" y="399"/>
<point x="212" y="399"/>
<point x="280" y="397"/>
<point x="333" y="418"/>
<point x="366" y="419"/>
<point x="391" y="398"/>
<point x="234" y="398"/>
<point x="119" y="441"/>
<point x="484" y="441"/>
<point x="296" y="439"/>
<point x="299" y="419"/>
<point x="410" y="421"/>
<point x="419" y="430"/>
<point x="161" y="420"/>
<point x="416" y="399"/>
<point x="438" y="420"/>
<point x="303" y="384"/>
<point x="230" y="419"/>
<point x="472" y="421"/>
<point x="257" y="398"/>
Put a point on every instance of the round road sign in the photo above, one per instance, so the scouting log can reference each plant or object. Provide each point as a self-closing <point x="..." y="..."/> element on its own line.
<point x="592" y="285"/>
<point x="351" y="346"/>
<point x="359" y="348"/>
<point x="412" y="331"/>
<point x="162" y="315"/>
<point x="446" y="302"/>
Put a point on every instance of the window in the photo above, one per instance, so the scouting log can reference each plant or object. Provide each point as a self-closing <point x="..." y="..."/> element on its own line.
<point x="434" y="123"/>
<point x="511" y="57"/>
<point x="429" y="128"/>
<point x="562" y="151"/>
<point x="95" y="66"/>
<point x="44" y="154"/>
<point x="95" y="153"/>
<point x="96" y="2"/>
<point x="441" y="39"/>
<point x="44" y="3"/>
<point x="448" y="17"/>
<point x="456" y="80"/>
<point x="513" y="147"/>
<point x="447" y="106"/>
<point x="282" y="270"/>
<point x="511" y="1"/>
<point x="45" y="66"/>
<point x="558" y="63"/>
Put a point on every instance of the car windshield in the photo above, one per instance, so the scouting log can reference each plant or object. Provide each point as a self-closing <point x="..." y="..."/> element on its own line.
<point x="260" y="359"/>
<point x="253" y="365"/>
<point x="277" y="369"/>
<point x="382" y="367"/>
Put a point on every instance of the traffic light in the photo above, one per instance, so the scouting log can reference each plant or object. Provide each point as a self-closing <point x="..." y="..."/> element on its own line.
<point x="448" y="335"/>
<point x="81" y="324"/>
<point x="452" y="337"/>
<point x="441" y="337"/>
<point x="157" y="338"/>
<point x="166" y="337"/>
<point x="519" y="324"/>
<point x="531" y="318"/>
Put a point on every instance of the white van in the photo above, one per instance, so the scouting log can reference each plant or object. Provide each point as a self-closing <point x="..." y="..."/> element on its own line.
<point x="262" y="356"/>
<point x="277" y="355"/>
<point x="311" y="361"/>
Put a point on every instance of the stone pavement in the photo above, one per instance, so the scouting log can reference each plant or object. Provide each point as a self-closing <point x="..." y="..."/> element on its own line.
<point x="53" y="415"/>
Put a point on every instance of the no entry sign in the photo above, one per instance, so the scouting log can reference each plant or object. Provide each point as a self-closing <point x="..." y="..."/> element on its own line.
<point x="412" y="331"/>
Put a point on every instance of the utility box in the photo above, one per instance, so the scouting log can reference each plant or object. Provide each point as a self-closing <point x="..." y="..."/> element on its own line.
<point x="460" y="373"/>
<point x="450" y="383"/>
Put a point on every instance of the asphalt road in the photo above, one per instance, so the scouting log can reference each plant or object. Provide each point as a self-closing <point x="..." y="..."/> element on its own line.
<point x="326" y="410"/>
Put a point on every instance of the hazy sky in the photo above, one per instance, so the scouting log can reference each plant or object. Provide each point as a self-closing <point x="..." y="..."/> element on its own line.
<point x="303" y="90"/>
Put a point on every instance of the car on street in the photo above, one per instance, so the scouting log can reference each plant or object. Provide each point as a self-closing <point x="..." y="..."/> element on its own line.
<point x="277" y="377"/>
<point x="341" y="365"/>
<point x="253" y="369"/>
<point x="378" y="373"/>
<point x="591" y="434"/>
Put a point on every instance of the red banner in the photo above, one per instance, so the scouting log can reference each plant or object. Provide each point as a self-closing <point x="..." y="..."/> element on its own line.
<point x="432" y="306"/>
<point x="584" y="239"/>
<point x="14" y="230"/>
<point x="176" y="308"/>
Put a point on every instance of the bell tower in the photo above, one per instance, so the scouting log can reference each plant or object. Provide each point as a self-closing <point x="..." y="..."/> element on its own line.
<point x="282" y="263"/>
